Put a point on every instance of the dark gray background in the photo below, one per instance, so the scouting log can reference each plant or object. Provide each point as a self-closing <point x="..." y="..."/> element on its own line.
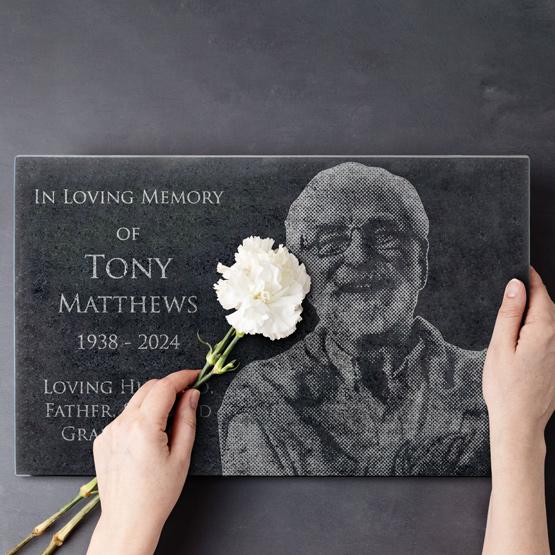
<point x="404" y="77"/>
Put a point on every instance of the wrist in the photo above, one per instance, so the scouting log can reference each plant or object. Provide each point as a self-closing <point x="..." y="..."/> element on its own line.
<point x="112" y="537"/>
<point x="517" y="439"/>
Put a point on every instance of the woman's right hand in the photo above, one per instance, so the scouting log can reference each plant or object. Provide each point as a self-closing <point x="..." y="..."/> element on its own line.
<point x="519" y="390"/>
<point x="141" y="465"/>
<point x="519" y="373"/>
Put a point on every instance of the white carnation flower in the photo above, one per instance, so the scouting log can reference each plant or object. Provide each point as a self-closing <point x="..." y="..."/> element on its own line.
<point x="265" y="286"/>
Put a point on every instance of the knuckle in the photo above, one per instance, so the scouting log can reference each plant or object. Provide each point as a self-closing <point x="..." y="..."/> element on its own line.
<point x="108" y="429"/>
<point x="149" y="383"/>
<point x="510" y="312"/>
<point x="116" y="425"/>
<point x="548" y="317"/>
<point x="190" y="421"/>
<point x="119" y="427"/>
<point x="541" y="328"/>
<point x="165" y="385"/>
<point x="137" y="425"/>
<point x="550" y="334"/>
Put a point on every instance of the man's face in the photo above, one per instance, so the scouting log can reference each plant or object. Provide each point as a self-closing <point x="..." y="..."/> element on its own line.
<point x="367" y="268"/>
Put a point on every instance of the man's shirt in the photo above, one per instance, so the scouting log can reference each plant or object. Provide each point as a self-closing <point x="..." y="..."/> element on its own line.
<point x="316" y="410"/>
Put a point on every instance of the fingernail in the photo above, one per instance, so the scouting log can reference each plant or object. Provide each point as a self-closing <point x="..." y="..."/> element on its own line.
<point x="513" y="288"/>
<point x="193" y="399"/>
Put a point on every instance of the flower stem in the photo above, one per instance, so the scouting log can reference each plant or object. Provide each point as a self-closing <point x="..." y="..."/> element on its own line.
<point x="85" y="491"/>
<point x="201" y="379"/>
<point x="220" y="364"/>
<point x="215" y="354"/>
<point x="61" y="535"/>
<point x="203" y="371"/>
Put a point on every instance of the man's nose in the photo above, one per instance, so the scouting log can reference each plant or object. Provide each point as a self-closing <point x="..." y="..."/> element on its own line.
<point x="357" y="251"/>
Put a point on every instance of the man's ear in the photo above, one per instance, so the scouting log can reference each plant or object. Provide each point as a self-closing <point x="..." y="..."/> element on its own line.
<point x="423" y="263"/>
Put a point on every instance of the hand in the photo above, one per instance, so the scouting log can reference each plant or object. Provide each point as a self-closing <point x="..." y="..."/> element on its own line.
<point x="519" y="373"/>
<point x="141" y="468"/>
<point x="519" y="390"/>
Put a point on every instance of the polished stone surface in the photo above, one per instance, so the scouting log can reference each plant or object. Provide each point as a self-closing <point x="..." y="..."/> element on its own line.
<point x="115" y="261"/>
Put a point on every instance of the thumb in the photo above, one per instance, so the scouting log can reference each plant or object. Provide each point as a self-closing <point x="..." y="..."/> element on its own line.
<point x="509" y="317"/>
<point x="184" y="426"/>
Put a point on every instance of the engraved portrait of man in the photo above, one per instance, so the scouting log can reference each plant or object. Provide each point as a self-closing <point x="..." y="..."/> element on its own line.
<point x="374" y="389"/>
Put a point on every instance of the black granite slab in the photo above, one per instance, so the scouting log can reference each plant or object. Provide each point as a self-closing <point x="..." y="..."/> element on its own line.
<point x="478" y="211"/>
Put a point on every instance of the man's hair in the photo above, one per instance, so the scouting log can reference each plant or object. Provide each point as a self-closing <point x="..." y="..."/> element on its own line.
<point x="351" y="184"/>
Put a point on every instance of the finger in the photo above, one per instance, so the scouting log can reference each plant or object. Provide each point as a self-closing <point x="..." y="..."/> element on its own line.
<point x="140" y="394"/>
<point x="161" y="398"/>
<point x="509" y="317"/>
<point x="540" y="304"/>
<point x="184" y="426"/>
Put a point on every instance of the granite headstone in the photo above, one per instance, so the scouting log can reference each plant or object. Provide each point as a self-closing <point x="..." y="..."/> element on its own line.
<point x="115" y="260"/>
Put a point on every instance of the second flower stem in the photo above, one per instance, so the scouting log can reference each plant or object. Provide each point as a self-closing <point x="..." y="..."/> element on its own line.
<point x="217" y="368"/>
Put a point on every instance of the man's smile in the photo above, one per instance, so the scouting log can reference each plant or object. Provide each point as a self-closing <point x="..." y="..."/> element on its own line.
<point x="374" y="282"/>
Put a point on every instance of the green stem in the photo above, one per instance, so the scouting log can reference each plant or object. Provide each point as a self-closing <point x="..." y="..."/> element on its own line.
<point x="89" y="488"/>
<point x="221" y="344"/>
<point x="23" y="542"/>
<point x="204" y="377"/>
<point x="84" y="491"/>
<point x="234" y="341"/>
<point x="61" y="535"/>
<point x="202" y="380"/>
<point x="203" y="371"/>
<point x="218" y="347"/>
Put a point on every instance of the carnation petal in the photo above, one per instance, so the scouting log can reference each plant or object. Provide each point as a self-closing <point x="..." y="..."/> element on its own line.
<point x="265" y="286"/>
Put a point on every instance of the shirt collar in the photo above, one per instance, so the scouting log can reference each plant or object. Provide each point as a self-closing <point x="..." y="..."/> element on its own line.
<point x="425" y="361"/>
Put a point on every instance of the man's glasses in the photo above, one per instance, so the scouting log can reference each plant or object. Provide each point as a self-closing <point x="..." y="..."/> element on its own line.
<point x="383" y="238"/>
